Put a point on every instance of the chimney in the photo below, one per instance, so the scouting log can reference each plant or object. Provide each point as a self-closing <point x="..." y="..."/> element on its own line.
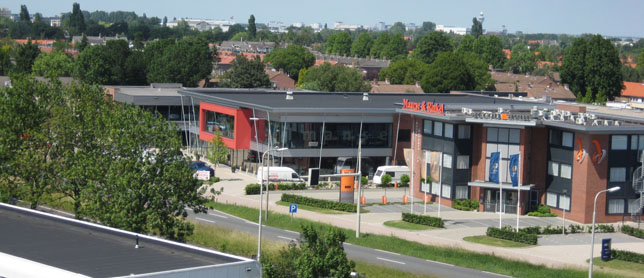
<point x="387" y="80"/>
<point x="417" y="84"/>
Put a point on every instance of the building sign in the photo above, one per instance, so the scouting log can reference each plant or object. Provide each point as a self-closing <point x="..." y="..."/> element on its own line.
<point x="487" y="115"/>
<point x="202" y="175"/>
<point x="425" y="107"/>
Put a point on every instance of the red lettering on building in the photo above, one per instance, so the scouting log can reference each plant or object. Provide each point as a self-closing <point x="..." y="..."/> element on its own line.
<point x="425" y="107"/>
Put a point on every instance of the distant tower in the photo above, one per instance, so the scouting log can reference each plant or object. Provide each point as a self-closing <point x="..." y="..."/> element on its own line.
<point x="481" y="17"/>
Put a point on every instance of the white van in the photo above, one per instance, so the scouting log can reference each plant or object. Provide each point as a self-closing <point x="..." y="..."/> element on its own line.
<point x="394" y="171"/>
<point x="278" y="174"/>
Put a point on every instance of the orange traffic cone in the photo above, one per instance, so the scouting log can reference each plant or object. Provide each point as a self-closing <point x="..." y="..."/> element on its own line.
<point x="395" y="184"/>
<point x="384" y="200"/>
<point x="405" y="199"/>
<point x="363" y="200"/>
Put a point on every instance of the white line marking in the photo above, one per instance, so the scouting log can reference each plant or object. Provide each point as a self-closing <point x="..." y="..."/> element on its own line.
<point x="383" y="259"/>
<point x="495" y="274"/>
<point x="392" y="253"/>
<point x="217" y="215"/>
<point x="440" y="263"/>
<point x="202" y="219"/>
<point x="346" y="243"/>
<point x="287" y="238"/>
<point x="292" y="232"/>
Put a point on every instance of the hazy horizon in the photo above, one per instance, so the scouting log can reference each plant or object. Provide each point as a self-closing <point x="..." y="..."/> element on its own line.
<point x="609" y="18"/>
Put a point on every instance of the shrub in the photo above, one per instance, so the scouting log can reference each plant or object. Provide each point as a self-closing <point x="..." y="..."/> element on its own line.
<point x="465" y="204"/>
<point x="627" y="256"/>
<point x="542" y="211"/>
<point x="385" y="180"/>
<point x="253" y="188"/>
<point x="318" y="203"/>
<point x="404" y="180"/>
<point x="423" y="220"/>
<point x="364" y="180"/>
<point x="508" y="234"/>
<point x="573" y="229"/>
<point x="632" y="231"/>
<point x="214" y="179"/>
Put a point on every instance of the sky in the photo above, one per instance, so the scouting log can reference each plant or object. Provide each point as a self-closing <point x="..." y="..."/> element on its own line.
<point x="609" y="18"/>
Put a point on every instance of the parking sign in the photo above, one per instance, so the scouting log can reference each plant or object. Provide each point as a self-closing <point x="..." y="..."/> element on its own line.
<point x="292" y="208"/>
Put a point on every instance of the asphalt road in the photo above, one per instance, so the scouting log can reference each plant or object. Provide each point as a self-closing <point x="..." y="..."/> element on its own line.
<point x="354" y="252"/>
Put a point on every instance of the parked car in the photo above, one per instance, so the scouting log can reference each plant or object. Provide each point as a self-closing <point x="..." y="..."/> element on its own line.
<point x="201" y="166"/>
<point x="394" y="171"/>
<point x="278" y="174"/>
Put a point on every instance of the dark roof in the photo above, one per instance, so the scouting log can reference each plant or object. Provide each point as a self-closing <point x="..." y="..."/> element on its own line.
<point x="272" y="100"/>
<point x="94" y="250"/>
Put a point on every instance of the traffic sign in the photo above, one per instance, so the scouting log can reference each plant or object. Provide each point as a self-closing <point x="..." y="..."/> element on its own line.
<point x="292" y="208"/>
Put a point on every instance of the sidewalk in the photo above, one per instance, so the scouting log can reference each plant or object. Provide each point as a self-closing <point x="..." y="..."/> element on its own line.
<point x="568" y="255"/>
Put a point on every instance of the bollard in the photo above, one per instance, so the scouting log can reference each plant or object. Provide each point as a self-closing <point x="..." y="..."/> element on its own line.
<point x="363" y="200"/>
<point x="395" y="184"/>
<point x="405" y="200"/>
<point x="384" y="200"/>
<point x="426" y="199"/>
<point x="277" y="187"/>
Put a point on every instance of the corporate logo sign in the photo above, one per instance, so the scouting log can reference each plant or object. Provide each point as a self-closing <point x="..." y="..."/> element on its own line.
<point x="425" y="107"/>
<point x="598" y="155"/>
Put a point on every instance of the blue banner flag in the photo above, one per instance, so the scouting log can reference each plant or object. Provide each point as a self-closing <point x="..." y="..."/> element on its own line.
<point x="514" y="169"/>
<point x="494" y="166"/>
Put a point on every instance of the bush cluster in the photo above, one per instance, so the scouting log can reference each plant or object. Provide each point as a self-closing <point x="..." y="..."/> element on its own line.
<point x="508" y="233"/>
<point x="632" y="231"/>
<point x="465" y="204"/>
<point x="542" y="211"/>
<point x="253" y="188"/>
<point x="318" y="203"/>
<point x="423" y="220"/>
<point x="573" y="229"/>
<point x="627" y="256"/>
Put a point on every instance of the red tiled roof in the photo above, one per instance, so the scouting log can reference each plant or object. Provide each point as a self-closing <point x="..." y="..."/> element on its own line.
<point x="633" y="89"/>
<point x="227" y="57"/>
<point x="381" y="87"/>
<point x="320" y="62"/>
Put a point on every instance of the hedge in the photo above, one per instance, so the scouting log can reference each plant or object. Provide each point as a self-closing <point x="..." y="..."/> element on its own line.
<point x="627" y="256"/>
<point x="253" y="188"/>
<point x="508" y="234"/>
<point x="318" y="203"/>
<point x="573" y="229"/>
<point x="632" y="231"/>
<point x="423" y="220"/>
<point x="465" y="204"/>
<point x="542" y="211"/>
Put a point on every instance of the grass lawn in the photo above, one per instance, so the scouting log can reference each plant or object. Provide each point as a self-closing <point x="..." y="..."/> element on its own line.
<point x="320" y="210"/>
<point x="628" y="269"/>
<point x="454" y="256"/>
<point x="495" y="241"/>
<point x="399" y="224"/>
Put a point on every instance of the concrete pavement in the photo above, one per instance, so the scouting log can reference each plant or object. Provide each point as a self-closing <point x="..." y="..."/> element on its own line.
<point x="553" y="250"/>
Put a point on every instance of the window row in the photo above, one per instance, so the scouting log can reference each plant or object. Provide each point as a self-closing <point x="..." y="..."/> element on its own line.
<point x="620" y="142"/>
<point x="446" y="130"/>
<point x="559" y="201"/>
<point x="503" y="135"/>
<point x="621" y="206"/>
<point x="336" y="135"/>
<point x="562" y="170"/>
<point x="460" y="192"/>
<point x="462" y="161"/>
<point x="561" y="138"/>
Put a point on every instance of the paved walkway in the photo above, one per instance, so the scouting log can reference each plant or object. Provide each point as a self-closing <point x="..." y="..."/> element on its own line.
<point x="553" y="250"/>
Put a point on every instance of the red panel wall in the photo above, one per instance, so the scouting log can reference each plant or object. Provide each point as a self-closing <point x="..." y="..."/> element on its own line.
<point x="242" y="133"/>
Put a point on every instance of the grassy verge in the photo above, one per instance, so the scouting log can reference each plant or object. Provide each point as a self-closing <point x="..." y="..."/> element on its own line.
<point x="378" y="271"/>
<point x="454" y="256"/>
<point x="628" y="269"/>
<point x="320" y="210"/>
<point x="495" y="241"/>
<point x="399" y="224"/>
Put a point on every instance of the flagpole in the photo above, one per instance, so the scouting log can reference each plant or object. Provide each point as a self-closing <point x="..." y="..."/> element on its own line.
<point x="518" y="191"/>
<point x="500" y="192"/>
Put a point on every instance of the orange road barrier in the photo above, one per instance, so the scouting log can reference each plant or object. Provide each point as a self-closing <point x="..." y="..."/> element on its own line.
<point x="384" y="200"/>
<point x="276" y="186"/>
<point x="405" y="200"/>
<point x="395" y="184"/>
<point x="363" y="200"/>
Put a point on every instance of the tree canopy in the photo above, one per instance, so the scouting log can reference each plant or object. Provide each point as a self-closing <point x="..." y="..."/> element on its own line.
<point x="477" y="28"/>
<point x="246" y="73"/>
<point x="448" y="72"/>
<point x="291" y="59"/>
<point x="522" y="60"/>
<point x="361" y="47"/>
<point x="187" y="61"/>
<point x="429" y="46"/>
<point x="404" y="71"/>
<point x="53" y="64"/>
<point x="330" y="78"/>
<point x="25" y="57"/>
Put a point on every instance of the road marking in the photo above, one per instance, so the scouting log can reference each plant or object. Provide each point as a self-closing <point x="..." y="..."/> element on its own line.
<point x="202" y="219"/>
<point x="383" y="259"/>
<point x="217" y="215"/>
<point x="292" y="232"/>
<point x="346" y="243"/>
<point x="440" y="263"/>
<point x="287" y="238"/>
<point x="392" y="253"/>
<point x="501" y="275"/>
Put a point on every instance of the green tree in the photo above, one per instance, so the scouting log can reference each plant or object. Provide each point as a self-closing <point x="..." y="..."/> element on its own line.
<point x="385" y="180"/>
<point x="342" y="44"/>
<point x="330" y="78"/>
<point x="165" y="21"/>
<point x="217" y="151"/>
<point x="477" y="28"/>
<point x="252" y="29"/>
<point x="246" y="73"/>
<point x="83" y="44"/>
<point x="76" y="20"/>
<point x="104" y="64"/>
<point x="431" y="45"/>
<point x="404" y="71"/>
<point x="522" y="59"/>
<point x="25" y="56"/>
<point x="466" y="44"/>
<point x="291" y="59"/>
<point x="379" y="45"/>
<point x="24" y="14"/>
<point x="5" y="59"/>
<point x="316" y="255"/>
<point x="640" y="62"/>
<point x="362" y="45"/>
<point x="448" y="72"/>
<point x="573" y="65"/>
<point x="398" y="28"/>
<point x="396" y="48"/>
<point x="479" y="70"/>
<point x="490" y="49"/>
<point x="53" y="64"/>
<point x="187" y="61"/>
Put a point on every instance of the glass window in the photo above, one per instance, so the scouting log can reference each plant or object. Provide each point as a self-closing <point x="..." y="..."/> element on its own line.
<point x="553" y="168"/>
<point x="564" y="202"/>
<point x="641" y="143"/>
<point x="447" y="160"/>
<point x="435" y="188"/>
<point x="515" y="136"/>
<point x="618" y="142"/>
<point x="404" y="135"/>
<point x="449" y="130"/>
<point x="634" y="145"/>
<point x="567" y="139"/>
<point x="463" y="162"/>
<point x="427" y="127"/>
<point x="222" y="124"/>
<point x="566" y="171"/>
<point x="615" y="206"/>
<point x="633" y="205"/>
<point x="503" y="135"/>
<point x="492" y="134"/>
<point x="438" y="128"/>
<point x="617" y="174"/>
<point x="555" y="137"/>
<point x="447" y="191"/>
<point x="551" y="199"/>
<point x="464" y="132"/>
<point x="461" y="192"/>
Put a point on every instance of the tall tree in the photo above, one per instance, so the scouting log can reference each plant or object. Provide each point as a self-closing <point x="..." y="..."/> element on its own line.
<point x="342" y="44"/>
<point x="477" y="28"/>
<point x="165" y="21"/>
<point x="217" y="150"/>
<point x="26" y="55"/>
<point x="291" y="59"/>
<point x="330" y="78"/>
<point x="246" y="73"/>
<point x="429" y="46"/>
<point x="187" y="61"/>
<point x="379" y="45"/>
<point x="640" y="62"/>
<point x="404" y="71"/>
<point x="522" y="60"/>
<point x="252" y="29"/>
<point x="5" y="59"/>
<point x="24" y="14"/>
<point x="398" y="28"/>
<point x="362" y="45"/>
<point x="448" y="72"/>
<point x="396" y="48"/>
<point x="76" y="20"/>
<point x="53" y="64"/>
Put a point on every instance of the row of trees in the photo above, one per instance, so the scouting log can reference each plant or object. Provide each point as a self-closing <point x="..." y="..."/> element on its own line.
<point x="118" y="164"/>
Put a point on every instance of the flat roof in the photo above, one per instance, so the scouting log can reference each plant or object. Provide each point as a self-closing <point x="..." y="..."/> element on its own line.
<point x="94" y="250"/>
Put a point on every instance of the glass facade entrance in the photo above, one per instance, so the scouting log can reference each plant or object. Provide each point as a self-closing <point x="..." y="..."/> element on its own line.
<point x="492" y="204"/>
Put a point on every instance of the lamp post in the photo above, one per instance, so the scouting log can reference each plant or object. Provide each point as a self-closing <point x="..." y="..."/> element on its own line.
<point x="261" y="187"/>
<point x="592" y="242"/>
<point x="563" y="227"/>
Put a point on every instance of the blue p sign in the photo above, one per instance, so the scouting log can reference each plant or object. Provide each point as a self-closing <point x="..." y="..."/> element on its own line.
<point x="292" y="208"/>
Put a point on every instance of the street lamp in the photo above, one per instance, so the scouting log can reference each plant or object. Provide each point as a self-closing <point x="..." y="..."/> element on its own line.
<point x="592" y="242"/>
<point x="261" y="187"/>
<point x="563" y="227"/>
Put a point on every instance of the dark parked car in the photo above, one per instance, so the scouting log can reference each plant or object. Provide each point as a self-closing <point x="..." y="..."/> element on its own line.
<point x="201" y="166"/>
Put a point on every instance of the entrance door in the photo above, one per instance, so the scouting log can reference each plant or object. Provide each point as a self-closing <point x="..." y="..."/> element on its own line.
<point x="492" y="204"/>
